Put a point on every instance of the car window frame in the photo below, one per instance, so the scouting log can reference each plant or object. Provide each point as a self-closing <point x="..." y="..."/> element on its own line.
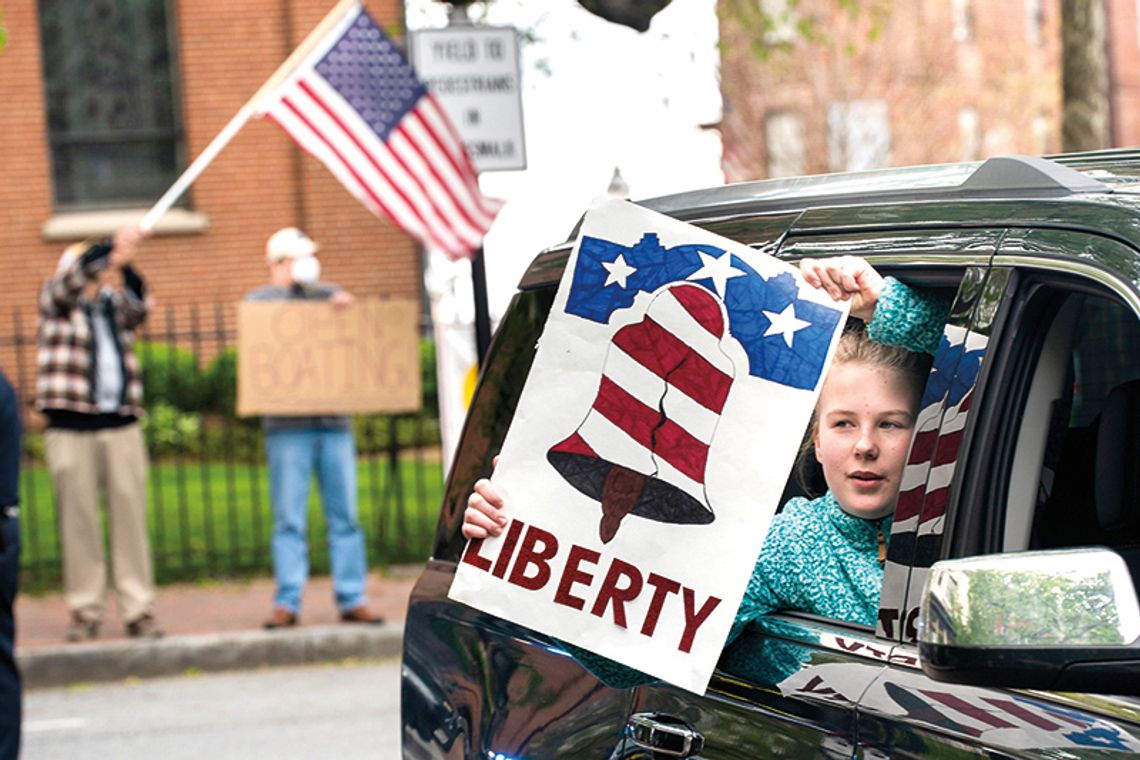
<point x="1004" y="381"/>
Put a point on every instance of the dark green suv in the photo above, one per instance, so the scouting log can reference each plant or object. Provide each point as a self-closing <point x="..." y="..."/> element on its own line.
<point x="1008" y="622"/>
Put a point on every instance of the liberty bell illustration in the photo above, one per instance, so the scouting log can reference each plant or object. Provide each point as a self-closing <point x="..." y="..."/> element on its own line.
<point x="643" y="446"/>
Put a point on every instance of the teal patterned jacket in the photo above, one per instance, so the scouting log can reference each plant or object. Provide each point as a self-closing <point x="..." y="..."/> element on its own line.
<point x="817" y="558"/>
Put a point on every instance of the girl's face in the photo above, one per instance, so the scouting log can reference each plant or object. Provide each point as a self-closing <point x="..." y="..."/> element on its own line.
<point x="865" y="420"/>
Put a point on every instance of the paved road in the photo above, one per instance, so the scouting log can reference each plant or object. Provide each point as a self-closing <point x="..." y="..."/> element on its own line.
<point x="349" y="710"/>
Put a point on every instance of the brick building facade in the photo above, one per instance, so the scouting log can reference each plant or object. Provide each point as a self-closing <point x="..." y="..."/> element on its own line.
<point x="212" y="251"/>
<point x="1122" y="20"/>
<point x="900" y="82"/>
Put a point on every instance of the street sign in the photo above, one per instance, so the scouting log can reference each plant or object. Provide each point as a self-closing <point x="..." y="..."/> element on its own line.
<point x="474" y="72"/>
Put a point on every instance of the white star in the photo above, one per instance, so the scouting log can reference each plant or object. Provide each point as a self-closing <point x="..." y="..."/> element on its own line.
<point x="785" y="323"/>
<point x="719" y="269"/>
<point x="618" y="270"/>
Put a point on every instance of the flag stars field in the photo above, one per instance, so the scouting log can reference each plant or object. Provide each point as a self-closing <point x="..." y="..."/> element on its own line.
<point x="619" y="271"/>
<point x="719" y="269"/>
<point x="785" y="323"/>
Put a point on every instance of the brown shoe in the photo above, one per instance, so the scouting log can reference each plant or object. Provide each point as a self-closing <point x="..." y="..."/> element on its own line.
<point x="281" y="618"/>
<point x="81" y="629"/>
<point x="144" y="627"/>
<point x="360" y="615"/>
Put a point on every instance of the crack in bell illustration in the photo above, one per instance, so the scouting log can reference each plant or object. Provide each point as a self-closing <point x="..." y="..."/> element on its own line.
<point x="642" y="448"/>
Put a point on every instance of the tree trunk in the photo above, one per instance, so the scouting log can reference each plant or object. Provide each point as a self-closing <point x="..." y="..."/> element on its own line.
<point x="1086" y="118"/>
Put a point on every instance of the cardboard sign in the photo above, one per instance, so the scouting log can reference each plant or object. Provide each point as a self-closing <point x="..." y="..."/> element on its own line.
<point x="675" y="377"/>
<point x="308" y="357"/>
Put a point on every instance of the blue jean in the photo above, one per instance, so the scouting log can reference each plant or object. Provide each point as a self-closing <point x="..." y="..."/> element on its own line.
<point x="294" y="456"/>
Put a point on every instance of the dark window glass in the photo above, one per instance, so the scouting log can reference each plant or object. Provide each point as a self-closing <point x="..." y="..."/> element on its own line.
<point x="113" y="121"/>
<point x="492" y="409"/>
<point x="1089" y="493"/>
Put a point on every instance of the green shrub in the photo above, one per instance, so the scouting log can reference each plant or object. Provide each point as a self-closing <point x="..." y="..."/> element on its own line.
<point x="169" y="430"/>
<point x="220" y="384"/>
<point x="170" y="376"/>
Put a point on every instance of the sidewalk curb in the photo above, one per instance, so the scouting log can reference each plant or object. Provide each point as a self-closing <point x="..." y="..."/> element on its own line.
<point x="174" y="655"/>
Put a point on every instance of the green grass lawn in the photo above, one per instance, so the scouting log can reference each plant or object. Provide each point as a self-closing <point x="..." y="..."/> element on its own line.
<point x="212" y="520"/>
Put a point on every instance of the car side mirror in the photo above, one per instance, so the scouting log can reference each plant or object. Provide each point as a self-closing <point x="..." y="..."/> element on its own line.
<point x="1064" y="620"/>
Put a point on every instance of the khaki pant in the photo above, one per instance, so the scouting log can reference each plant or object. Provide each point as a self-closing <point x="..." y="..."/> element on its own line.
<point x="84" y="464"/>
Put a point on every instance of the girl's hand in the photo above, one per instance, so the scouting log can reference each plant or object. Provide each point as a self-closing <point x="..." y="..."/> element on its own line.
<point x="844" y="278"/>
<point x="484" y="514"/>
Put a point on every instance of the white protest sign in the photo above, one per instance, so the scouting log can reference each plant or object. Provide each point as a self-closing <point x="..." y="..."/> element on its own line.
<point x="662" y="414"/>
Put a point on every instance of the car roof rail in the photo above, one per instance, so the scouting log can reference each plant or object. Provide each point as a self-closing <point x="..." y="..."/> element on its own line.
<point x="1029" y="175"/>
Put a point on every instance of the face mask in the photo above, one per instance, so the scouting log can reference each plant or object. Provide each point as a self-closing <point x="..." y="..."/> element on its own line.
<point x="306" y="270"/>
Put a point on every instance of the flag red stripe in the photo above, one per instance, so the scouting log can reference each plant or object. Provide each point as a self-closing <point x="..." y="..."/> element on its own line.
<point x="701" y="381"/>
<point x="947" y="449"/>
<point x="426" y="207"/>
<point x="575" y="444"/>
<point x="922" y="448"/>
<point x="968" y="709"/>
<point x="442" y="234"/>
<point x="665" y="355"/>
<point x="364" y="185"/>
<point x="375" y="204"/>
<point x="462" y="180"/>
<point x="679" y="448"/>
<point x="909" y="503"/>
<point x="701" y="306"/>
<point x="457" y="154"/>
<point x="444" y="186"/>
<point x="631" y="416"/>
<point x="935" y="504"/>
<point x="666" y="440"/>
<point x="1021" y="713"/>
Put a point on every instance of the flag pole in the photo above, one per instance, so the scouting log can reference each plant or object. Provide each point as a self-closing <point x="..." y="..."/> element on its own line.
<point x="246" y="112"/>
<point x="196" y="168"/>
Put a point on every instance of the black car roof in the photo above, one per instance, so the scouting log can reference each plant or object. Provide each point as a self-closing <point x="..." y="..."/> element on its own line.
<point x="1095" y="191"/>
<point x="1003" y="178"/>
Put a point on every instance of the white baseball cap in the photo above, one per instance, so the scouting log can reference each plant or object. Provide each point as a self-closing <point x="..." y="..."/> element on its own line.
<point x="289" y="243"/>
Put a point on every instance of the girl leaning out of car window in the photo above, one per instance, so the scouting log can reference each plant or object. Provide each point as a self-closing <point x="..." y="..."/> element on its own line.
<point x="825" y="555"/>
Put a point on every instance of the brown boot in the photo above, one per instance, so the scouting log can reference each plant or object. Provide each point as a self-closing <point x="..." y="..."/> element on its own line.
<point x="360" y="614"/>
<point x="281" y="618"/>
<point x="81" y="629"/>
<point x="144" y="627"/>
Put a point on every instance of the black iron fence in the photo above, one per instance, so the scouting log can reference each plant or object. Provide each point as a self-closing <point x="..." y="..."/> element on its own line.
<point x="208" y="495"/>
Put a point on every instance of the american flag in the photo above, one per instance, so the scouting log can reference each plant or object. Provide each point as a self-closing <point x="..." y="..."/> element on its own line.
<point x="356" y="105"/>
<point x="920" y="514"/>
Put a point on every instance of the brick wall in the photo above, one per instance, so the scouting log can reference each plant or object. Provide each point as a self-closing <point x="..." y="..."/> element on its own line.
<point x="259" y="183"/>
<point x="909" y="58"/>
<point x="1124" y="47"/>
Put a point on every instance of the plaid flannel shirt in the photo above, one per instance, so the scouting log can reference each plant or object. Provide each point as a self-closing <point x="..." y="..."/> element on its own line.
<point x="65" y="360"/>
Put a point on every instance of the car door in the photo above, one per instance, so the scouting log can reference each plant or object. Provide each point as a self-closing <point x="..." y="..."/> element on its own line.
<point x="790" y="685"/>
<point x="1062" y="318"/>
<point x="473" y="684"/>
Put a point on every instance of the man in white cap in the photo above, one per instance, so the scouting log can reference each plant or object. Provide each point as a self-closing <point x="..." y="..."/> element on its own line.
<point x="89" y="387"/>
<point x="296" y="447"/>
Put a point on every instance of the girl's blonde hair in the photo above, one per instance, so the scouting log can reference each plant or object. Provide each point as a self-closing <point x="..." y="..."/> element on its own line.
<point x="855" y="346"/>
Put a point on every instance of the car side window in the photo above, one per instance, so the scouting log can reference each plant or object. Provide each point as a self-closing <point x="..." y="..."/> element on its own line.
<point x="1075" y="481"/>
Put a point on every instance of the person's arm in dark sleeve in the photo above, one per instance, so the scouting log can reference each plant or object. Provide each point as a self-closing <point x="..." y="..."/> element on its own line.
<point x="11" y="430"/>
<point x="61" y="292"/>
<point x="134" y="304"/>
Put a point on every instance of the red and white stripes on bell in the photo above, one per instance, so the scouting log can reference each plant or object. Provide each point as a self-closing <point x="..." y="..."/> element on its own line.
<point x="664" y="384"/>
